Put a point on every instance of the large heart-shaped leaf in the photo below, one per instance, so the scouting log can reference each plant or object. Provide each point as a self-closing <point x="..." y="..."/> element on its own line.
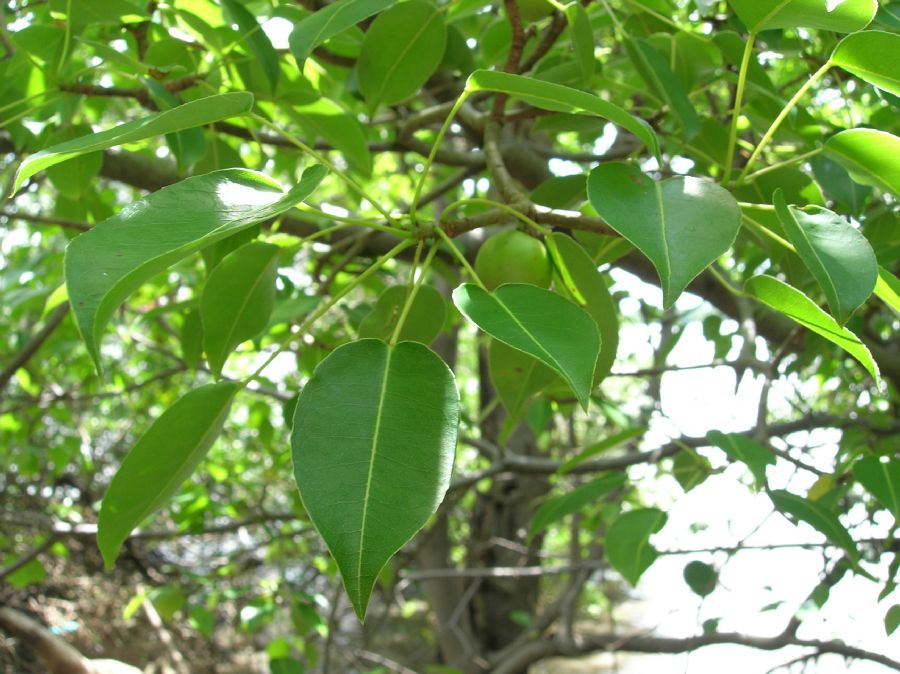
<point x="516" y="313"/>
<point x="163" y="458"/>
<point x="373" y="439"/>
<point x="870" y="155"/>
<point x="195" y="113"/>
<point x="871" y="55"/>
<point x="585" y="284"/>
<point x="628" y="542"/>
<point x="109" y="262"/>
<point x="882" y="480"/>
<point x="817" y="516"/>
<point x="846" y="16"/>
<point x="554" y="509"/>
<point x="559" y="98"/>
<point x="795" y="305"/>
<point x="328" y="21"/>
<point x="746" y="450"/>
<point x="402" y="47"/>
<point x="682" y="224"/>
<point x="237" y="300"/>
<point x="839" y="257"/>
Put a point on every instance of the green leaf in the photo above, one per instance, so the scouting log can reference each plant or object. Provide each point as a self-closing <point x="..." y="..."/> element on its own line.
<point x="585" y="284"/>
<point x="746" y="450"/>
<point x="554" y="509"/>
<point x="77" y="175"/>
<point x="373" y="441"/>
<point x="326" y="119"/>
<point x="238" y="300"/>
<point x="795" y="305"/>
<point x="106" y="264"/>
<point x="163" y="458"/>
<point x="259" y="43"/>
<point x="836" y="181"/>
<point x="516" y="314"/>
<point x="559" y="98"/>
<point x="657" y="74"/>
<point x="839" y="257"/>
<point x="870" y="155"/>
<point x="690" y="469"/>
<point x="582" y="39"/>
<point x="892" y="619"/>
<point x="871" y="55"/>
<point x="817" y="516"/>
<point x="598" y="447"/>
<point x="516" y="376"/>
<point x="189" y="145"/>
<point x="327" y="22"/>
<point x="887" y="287"/>
<point x="701" y="578"/>
<point x="882" y="480"/>
<point x="401" y="50"/>
<point x="681" y="224"/>
<point x="628" y="542"/>
<point x="423" y="323"/>
<point x="846" y="17"/>
<point x="195" y="113"/>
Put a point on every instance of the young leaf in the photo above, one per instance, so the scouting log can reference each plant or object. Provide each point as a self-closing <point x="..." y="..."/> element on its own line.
<point x="701" y="578"/>
<point x="602" y="446"/>
<point x="817" y="516"/>
<point x="628" y="542"/>
<point x="516" y="376"/>
<point x="401" y="50"/>
<point x="847" y="17"/>
<point x="869" y="155"/>
<point x="328" y="21"/>
<point x="871" y="55"/>
<point x="559" y="98"/>
<point x="106" y="264"/>
<point x="237" y="300"/>
<point x="515" y="313"/>
<point x="882" y="480"/>
<point x="746" y="450"/>
<point x="554" y="509"/>
<point x="657" y="74"/>
<point x="195" y="113"/>
<point x="795" y="305"/>
<point x="373" y="441"/>
<point x="681" y="224"/>
<point x="163" y="458"/>
<point x="839" y="257"/>
<point x="887" y="287"/>
<point x="582" y="281"/>
<point x="256" y="39"/>
<point x="423" y="323"/>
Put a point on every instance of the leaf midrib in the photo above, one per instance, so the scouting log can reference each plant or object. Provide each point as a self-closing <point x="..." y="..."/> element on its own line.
<point x="401" y="57"/>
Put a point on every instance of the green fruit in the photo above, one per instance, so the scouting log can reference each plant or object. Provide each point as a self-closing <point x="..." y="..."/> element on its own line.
<point x="513" y="257"/>
<point x="534" y="10"/>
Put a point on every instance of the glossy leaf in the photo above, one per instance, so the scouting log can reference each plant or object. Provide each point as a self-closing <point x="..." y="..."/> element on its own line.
<point x="258" y="42"/>
<point x="817" y="516"/>
<point x="559" y="98"/>
<point x="740" y="447"/>
<point x="106" y="264"/>
<point x="163" y="458"/>
<point x="558" y="507"/>
<point x="701" y="578"/>
<point x="593" y="450"/>
<point x="423" y="323"/>
<point x="628" y="545"/>
<point x="871" y="157"/>
<point x="658" y="76"/>
<point x="515" y="313"/>
<point x="586" y="285"/>
<point x="237" y="300"/>
<point x="516" y="376"/>
<point x="789" y="301"/>
<point x="681" y="224"/>
<point x="882" y="480"/>
<point x="839" y="257"/>
<point x="195" y="113"/>
<point x="843" y="17"/>
<point x="401" y="50"/>
<point x="888" y="289"/>
<point x="373" y="440"/>
<point x="328" y="21"/>
<point x="871" y="55"/>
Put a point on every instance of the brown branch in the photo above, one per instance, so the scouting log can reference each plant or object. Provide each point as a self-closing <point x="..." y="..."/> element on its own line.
<point x="548" y="39"/>
<point x="25" y="353"/>
<point x="140" y="94"/>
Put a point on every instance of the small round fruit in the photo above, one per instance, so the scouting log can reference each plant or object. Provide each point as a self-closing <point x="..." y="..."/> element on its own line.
<point x="534" y="10"/>
<point x="513" y="257"/>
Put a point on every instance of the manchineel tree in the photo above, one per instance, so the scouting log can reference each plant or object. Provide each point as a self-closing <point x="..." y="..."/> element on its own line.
<point x="244" y="343"/>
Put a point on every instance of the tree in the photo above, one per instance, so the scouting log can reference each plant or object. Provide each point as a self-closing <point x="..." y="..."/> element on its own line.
<point x="281" y="236"/>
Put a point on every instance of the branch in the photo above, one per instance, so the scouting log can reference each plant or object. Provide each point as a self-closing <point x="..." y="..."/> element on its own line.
<point x="35" y="343"/>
